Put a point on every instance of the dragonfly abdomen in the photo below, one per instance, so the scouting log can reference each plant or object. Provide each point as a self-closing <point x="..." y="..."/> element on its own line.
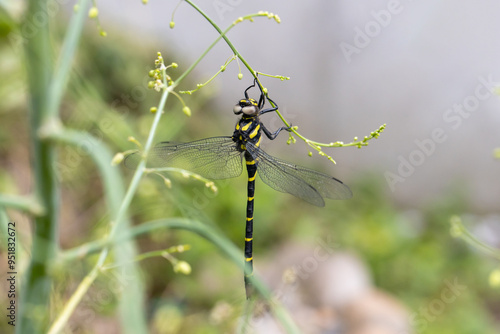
<point x="252" y="173"/>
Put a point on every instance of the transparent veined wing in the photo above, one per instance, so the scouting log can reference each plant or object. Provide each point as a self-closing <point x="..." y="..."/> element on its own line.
<point x="213" y="158"/>
<point x="304" y="183"/>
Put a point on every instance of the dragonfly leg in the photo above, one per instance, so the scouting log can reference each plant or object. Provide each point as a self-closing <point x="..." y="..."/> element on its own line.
<point x="273" y="135"/>
<point x="246" y="90"/>
<point x="264" y="111"/>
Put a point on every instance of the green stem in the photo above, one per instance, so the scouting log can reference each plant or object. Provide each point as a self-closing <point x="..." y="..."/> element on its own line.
<point x="37" y="281"/>
<point x="116" y="223"/>
<point x="197" y="61"/>
<point x="45" y="96"/>
<point x="130" y="303"/>
<point x="73" y="302"/>
<point x="142" y="164"/>
<point x="66" y="57"/>
<point x="473" y="241"/>
<point x="136" y="231"/>
<point x="22" y="203"/>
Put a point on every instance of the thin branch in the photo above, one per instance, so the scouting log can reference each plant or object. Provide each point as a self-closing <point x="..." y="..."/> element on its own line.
<point x="26" y="204"/>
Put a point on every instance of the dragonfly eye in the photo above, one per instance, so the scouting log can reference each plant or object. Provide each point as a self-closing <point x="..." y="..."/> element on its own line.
<point x="237" y="109"/>
<point x="250" y="110"/>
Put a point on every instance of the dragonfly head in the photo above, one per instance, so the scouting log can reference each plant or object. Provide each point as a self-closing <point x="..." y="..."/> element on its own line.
<point x="248" y="107"/>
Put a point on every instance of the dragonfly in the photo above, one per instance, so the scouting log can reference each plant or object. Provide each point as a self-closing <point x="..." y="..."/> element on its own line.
<point x="222" y="157"/>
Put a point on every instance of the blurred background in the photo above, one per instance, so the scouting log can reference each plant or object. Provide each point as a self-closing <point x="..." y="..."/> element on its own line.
<point x="386" y="259"/>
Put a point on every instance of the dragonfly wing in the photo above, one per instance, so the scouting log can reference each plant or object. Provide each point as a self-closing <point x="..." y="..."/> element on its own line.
<point x="299" y="181"/>
<point x="213" y="158"/>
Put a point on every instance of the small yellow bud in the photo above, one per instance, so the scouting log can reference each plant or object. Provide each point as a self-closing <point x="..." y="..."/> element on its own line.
<point x="174" y="65"/>
<point x="145" y="2"/>
<point x="494" y="278"/>
<point x="135" y="141"/>
<point x="310" y="154"/>
<point x="183" y="248"/>
<point x="172" y="24"/>
<point x="182" y="267"/>
<point x="212" y="186"/>
<point x="103" y="33"/>
<point x="153" y="110"/>
<point x="151" y="73"/>
<point x="496" y="153"/>
<point x="117" y="159"/>
<point x="151" y="84"/>
<point x="265" y="90"/>
<point x="496" y="90"/>
<point x="167" y="182"/>
<point x="240" y="76"/>
<point x="93" y="12"/>
<point x="186" y="111"/>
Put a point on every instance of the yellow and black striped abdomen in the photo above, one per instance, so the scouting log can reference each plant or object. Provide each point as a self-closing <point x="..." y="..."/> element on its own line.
<point x="248" y="129"/>
<point x="252" y="173"/>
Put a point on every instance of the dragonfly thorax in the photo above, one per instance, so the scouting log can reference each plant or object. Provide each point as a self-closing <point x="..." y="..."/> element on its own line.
<point x="248" y="129"/>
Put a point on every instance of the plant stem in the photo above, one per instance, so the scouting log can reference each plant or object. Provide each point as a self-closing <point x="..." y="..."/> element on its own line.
<point x="37" y="281"/>
<point x="116" y="224"/>
<point x="134" y="232"/>
<point x="22" y="203"/>
<point x="473" y="241"/>
<point x="132" y="314"/>
<point x="66" y="57"/>
<point x="73" y="302"/>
